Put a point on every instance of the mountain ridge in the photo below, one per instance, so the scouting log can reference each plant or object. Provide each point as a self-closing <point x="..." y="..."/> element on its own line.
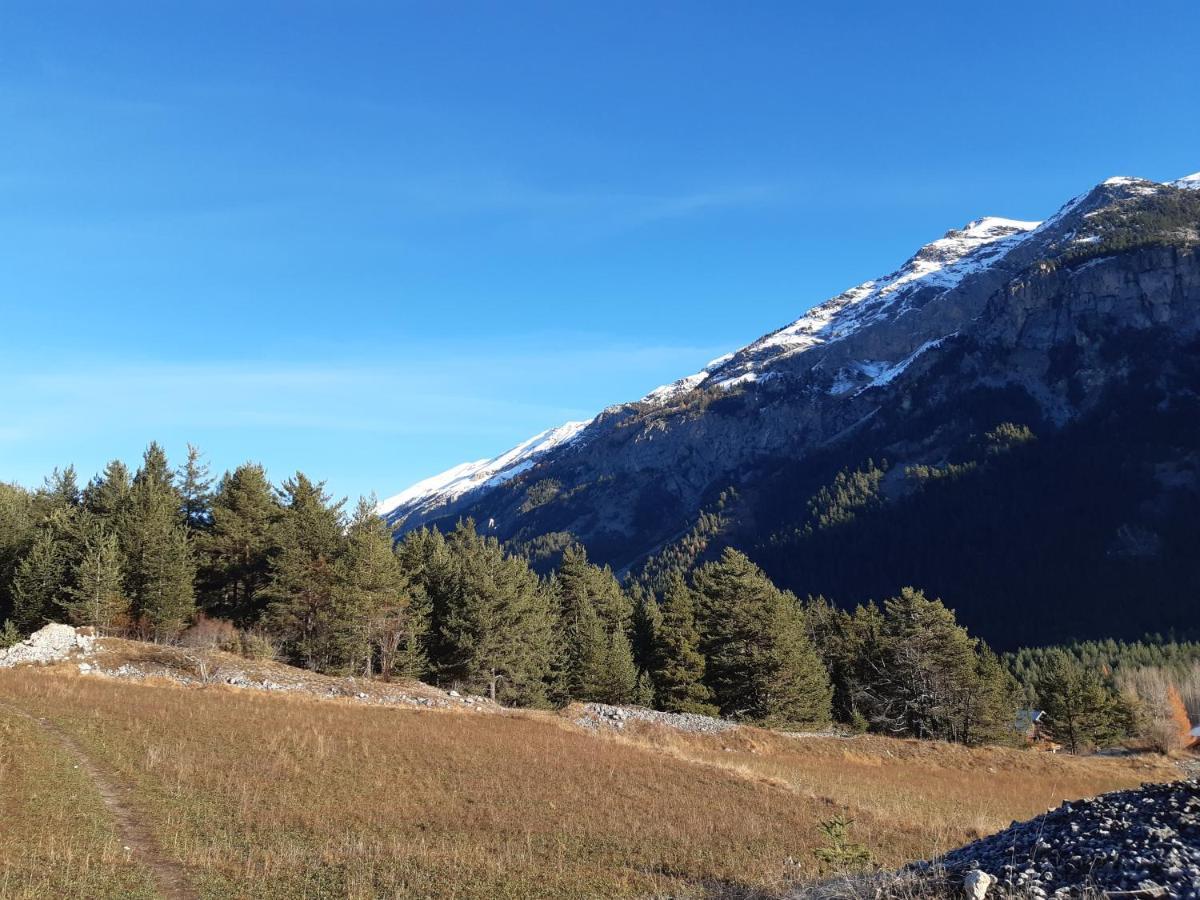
<point x="941" y="264"/>
<point x="1081" y="332"/>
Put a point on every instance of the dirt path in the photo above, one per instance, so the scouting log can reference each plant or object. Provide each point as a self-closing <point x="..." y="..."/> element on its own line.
<point x="138" y="839"/>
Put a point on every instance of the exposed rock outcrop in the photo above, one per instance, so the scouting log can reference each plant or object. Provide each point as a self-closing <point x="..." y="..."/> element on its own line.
<point x="53" y="643"/>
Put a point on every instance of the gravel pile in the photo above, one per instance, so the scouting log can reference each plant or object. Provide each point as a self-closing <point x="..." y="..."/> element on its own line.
<point x="50" y="644"/>
<point x="1142" y="842"/>
<point x="600" y="715"/>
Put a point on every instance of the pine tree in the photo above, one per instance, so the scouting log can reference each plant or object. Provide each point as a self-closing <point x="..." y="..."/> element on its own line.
<point x="988" y="705"/>
<point x="1079" y="710"/>
<point x="10" y="635"/>
<point x="647" y="620"/>
<point x="613" y="604"/>
<point x="594" y="616"/>
<point x="920" y="674"/>
<point x="311" y="521"/>
<point x="303" y="609"/>
<point x="618" y="675"/>
<point x="644" y="691"/>
<point x="679" y="664"/>
<point x="579" y="577"/>
<point x="585" y="640"/>
<point x="796" y="689"/>
<point x="304" y="589"/>
<point x="107" y="495"/>
<point x="195" y="490"/>
<point x="376" y="598"/>
<point x="160" y="569"/>
<point x="17" y="531"/>
<point x="95" y="594"/>
<point x="495" y="622"/>
<point x="166" y="582"/>
<point x="44" y="550"/>
<point x="62" y="488"/>
<point x="926" y="659"/>
<point x="840" y="639"/>
<point x="39" y="580"/>
<point x="425" y="561"/>
<point x="156" y="470"/>
<point x="760" y="663"/>
<point x="237" y="548"/>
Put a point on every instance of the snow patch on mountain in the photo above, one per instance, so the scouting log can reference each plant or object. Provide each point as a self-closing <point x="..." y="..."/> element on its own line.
<point x="941" y="265"/>
<point x="455" y="482"/>
<point x="674" y="389"/>
<point x="1135" y="185"/>
<point x="886" y="374"/>
<point x="661" y="395"/>
<point x="744" y="378"/>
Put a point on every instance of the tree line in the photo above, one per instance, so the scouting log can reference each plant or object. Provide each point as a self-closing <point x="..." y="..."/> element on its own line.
<point x="153" y="552"/>
<point x="1148" y="688"/>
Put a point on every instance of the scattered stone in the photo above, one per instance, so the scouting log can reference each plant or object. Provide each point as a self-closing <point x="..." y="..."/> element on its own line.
<point x="977" y="884"/>
<point x="601" y="715"/>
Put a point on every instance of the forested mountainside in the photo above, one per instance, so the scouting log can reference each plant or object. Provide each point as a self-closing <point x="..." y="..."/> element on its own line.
<point x="1009" y="421"/>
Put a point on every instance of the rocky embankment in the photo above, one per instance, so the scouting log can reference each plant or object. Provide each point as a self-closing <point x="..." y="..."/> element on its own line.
<point x="196" y="667"/>
<point x="596" y="716"/>
<point x="1127" y="844"/>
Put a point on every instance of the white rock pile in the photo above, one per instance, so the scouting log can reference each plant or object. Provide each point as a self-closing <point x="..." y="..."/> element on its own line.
<point x="51" y="644"/>
<point x="600" y="715"/>
<point x="1139" y="843"/>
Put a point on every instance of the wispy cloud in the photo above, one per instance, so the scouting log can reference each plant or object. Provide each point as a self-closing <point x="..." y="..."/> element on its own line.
<point x="465" y="391"/>
<point x="375" y="425"/>
<point x="619" y="206"/>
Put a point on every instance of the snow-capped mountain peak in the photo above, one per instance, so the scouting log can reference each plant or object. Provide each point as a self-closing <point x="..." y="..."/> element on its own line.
<point x="941" y="264"/>
<point x="466" y="477"/>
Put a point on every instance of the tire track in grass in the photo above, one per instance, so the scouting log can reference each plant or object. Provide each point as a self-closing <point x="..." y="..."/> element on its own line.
<point x="138" y="838"/>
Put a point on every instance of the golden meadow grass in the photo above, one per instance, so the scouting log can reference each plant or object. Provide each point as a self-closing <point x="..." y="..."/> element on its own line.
<point x="261" y="795"/>
<point x="56" y="839"/>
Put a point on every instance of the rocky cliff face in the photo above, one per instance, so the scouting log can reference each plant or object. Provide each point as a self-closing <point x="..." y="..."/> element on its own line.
<point x="1052" y="324"/>
<point x="1037" y="316"/>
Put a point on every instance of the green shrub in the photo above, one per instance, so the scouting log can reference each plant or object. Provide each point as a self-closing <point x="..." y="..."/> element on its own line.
<point x="9" y="635"/>
<point x="839" y="855"/>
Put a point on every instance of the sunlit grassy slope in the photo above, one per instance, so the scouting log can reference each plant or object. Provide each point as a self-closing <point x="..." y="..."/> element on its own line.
<point x="259" y="795"/>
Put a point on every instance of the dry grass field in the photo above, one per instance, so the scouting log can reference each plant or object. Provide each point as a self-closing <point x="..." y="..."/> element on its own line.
<point x="56" y="838"/>
<point x="262" y="795"/>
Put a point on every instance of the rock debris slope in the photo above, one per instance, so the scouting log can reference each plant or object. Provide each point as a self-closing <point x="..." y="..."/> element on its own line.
<point x="1143" y="841"/>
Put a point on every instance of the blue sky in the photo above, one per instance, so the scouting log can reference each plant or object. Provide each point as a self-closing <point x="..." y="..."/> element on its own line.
<point x="372" y="240"/>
